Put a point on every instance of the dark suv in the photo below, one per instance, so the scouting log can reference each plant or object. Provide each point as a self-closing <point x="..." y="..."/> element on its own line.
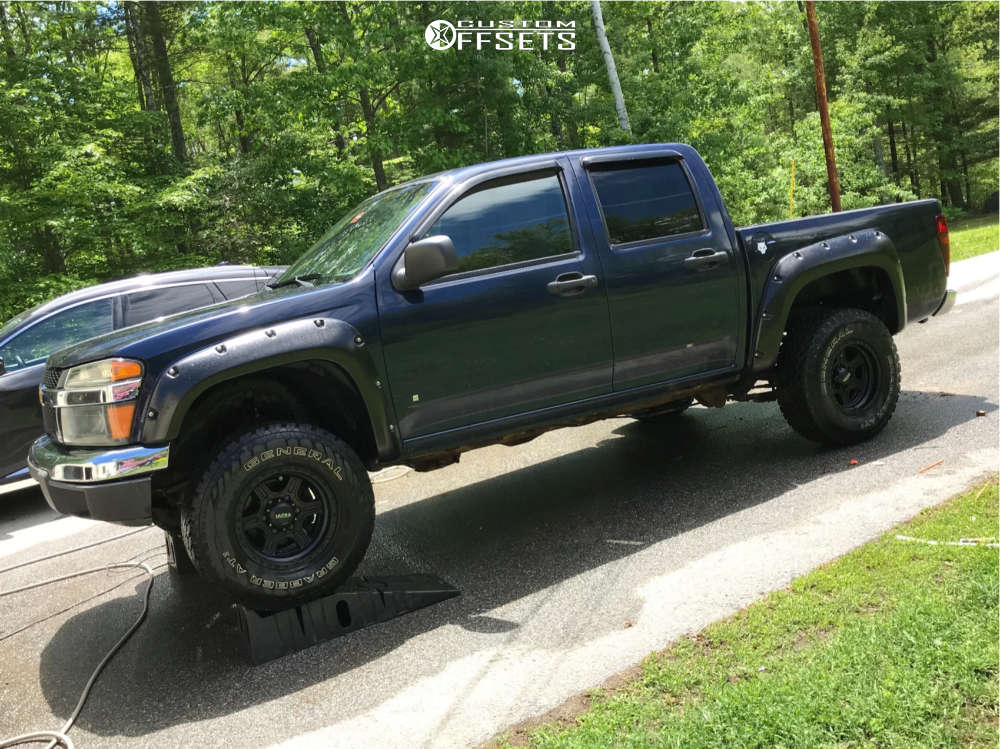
<point x="27" y="340"/>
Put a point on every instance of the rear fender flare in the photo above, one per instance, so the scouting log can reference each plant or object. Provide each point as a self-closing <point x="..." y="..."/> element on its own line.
<point x="313" y="339"/>
<point x="793" y="272"/>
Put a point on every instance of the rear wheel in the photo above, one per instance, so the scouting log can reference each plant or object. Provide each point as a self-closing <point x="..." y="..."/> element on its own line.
<point x="838" y="375"/>
<point x="284" y="514"/>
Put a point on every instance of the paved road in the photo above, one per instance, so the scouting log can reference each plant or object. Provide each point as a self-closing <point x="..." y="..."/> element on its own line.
<point x="578" y="554"/>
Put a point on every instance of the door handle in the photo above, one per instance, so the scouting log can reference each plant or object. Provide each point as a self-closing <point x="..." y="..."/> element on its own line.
<point x="706" y="259"/>
<point x="571" y="284"/>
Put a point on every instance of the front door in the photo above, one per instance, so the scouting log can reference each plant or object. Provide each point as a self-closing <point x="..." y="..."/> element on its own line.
<point x="24" y="356"/>
<point x="673" y="275"/>
<point x="522" y="325"/>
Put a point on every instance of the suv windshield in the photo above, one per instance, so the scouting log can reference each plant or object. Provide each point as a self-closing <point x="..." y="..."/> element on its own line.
<point x="354" y="240"/>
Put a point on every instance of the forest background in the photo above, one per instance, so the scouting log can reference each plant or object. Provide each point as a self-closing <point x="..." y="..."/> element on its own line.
<point x="152" y="136"/>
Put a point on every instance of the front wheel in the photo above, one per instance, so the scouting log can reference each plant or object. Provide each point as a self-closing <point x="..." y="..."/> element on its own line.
<point x="838" y="375"/>
<point x="284" y="514"/>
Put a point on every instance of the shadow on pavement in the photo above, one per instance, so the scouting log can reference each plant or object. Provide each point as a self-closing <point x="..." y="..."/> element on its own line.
<point x="22" y="509"/>
<point x="499" y="540"/>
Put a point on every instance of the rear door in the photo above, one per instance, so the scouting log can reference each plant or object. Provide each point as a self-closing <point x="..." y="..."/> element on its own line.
<point x="522" y="325"/>
<point x="675" y="282"/>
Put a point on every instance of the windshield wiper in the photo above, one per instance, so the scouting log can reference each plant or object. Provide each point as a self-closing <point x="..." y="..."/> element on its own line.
<point x="302" y="280"/>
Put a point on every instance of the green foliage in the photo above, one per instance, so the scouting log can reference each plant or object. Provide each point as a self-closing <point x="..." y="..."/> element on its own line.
<point x="895" y="644"/>
<point x="292" y="112"/>
<point x="971" y="237"/>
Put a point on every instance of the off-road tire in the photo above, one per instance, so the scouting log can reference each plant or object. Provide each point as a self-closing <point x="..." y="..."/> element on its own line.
<point x="667" y="413"/>
<point x="811" y="376"/>
<point x="226" y="554"/>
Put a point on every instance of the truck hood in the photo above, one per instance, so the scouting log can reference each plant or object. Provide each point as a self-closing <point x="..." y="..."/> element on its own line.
<point x="168" y="338"/>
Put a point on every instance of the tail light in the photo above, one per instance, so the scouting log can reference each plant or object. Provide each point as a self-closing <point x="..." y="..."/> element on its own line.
<point x="944" y="242"/>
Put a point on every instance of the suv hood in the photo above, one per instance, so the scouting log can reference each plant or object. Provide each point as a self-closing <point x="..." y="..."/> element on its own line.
<point x="168" y="338"/>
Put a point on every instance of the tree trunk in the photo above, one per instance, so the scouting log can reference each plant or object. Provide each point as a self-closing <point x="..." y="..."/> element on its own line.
<point x="137" y="54"/>
<point x="368" y="111"/>
<point x="52" y="257"/>
<point x="242" y="135"/>
<point x="914" y="177"/>
<point x="833" y="182"/>
<point x="652" y="45"/>
<point x="8" y="39"/>
<point x="22" y="23"/>
<point x="154" y="26"/>
<point x="949" y="178"/>
<point x="893" y="154"/>
<point x="321" y="67"/>
<point x="609" y="63"/>
<point x="968" y="183"/>
<point x="317" y="50"/>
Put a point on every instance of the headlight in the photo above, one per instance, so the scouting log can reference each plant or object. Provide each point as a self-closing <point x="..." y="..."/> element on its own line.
<point x="95" y="403"/>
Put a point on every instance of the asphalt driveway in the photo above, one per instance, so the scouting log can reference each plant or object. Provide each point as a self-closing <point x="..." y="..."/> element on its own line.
<point x="577" y="554"/>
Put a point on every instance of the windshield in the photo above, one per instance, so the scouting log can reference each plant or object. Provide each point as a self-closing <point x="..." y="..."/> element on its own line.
<point x="8" y="327"/>
<point x="354" y="240"/>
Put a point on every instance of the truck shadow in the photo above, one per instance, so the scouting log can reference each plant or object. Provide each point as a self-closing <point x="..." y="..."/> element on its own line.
<point x="499" y="540"/>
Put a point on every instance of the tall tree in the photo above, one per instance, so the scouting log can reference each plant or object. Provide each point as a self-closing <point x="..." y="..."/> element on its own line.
<point x="609" y="62"/>
<point x="168" y="88"/>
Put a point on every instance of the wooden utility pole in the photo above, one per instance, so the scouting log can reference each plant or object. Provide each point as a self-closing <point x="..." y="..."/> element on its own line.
<point x="833" y="183"/>
<point x="609" y="63"/>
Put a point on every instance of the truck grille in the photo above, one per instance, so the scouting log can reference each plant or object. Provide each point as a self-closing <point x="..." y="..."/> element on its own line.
<point x="51" y="378"/>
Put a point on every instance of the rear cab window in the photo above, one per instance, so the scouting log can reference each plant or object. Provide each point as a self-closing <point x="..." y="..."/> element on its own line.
<point x="645" y="201"/>
<point x="146" y="305"/>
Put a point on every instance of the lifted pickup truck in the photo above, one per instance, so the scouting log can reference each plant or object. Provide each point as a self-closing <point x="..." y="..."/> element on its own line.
<point x="486" y="304"/>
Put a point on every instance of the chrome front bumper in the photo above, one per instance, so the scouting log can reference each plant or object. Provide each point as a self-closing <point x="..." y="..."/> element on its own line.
<point x="113" y="485"/>
<point x="89" y="465"/>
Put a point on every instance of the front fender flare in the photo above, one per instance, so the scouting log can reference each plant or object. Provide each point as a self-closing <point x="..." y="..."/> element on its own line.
<point x="327" y="340"/>
<point x="796" y="270"/>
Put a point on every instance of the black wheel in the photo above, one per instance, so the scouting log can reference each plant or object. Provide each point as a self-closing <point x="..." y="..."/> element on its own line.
<point x="666" y="413"/>
<point x="838" y="376"/>
<point x="284" y="514"/>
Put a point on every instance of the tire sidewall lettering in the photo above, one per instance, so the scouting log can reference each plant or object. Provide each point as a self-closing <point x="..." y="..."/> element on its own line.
<point x="270" y="584"/>
<point x="297" y="452"/>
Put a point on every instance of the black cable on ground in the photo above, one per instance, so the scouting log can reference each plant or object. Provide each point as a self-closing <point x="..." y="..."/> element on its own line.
<point x="60" y="738"/>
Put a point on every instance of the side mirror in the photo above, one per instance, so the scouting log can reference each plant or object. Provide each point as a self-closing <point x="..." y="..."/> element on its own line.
<point x="423" y="261"/>
<point x="3" y="369"/>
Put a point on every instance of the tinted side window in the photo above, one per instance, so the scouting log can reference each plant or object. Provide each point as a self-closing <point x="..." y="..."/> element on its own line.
<point x="142" y="306"/>
<point x="507" y="222"/>
<point x="236" y="289"/>
<point x="63" y="329"/>
<point x="645" y="202"/>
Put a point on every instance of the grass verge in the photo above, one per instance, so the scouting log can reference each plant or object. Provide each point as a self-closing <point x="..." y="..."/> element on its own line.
<point x="894" y="644"/>
<point x="973" y="236"/>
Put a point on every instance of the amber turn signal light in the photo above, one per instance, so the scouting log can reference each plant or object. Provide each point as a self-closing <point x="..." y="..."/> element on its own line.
<point x="123" y="369"/>
<point x="120" y="420"/>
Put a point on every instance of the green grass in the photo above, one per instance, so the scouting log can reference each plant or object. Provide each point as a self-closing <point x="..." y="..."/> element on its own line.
<point x="973" y="236"/>
<point x="893" y="645"/>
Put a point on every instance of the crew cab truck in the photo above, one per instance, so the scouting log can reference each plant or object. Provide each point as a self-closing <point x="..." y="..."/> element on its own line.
<point x="481" y="305"/>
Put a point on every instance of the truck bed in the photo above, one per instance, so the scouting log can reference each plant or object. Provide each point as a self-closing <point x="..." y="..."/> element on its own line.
<point x="912" y="227"/>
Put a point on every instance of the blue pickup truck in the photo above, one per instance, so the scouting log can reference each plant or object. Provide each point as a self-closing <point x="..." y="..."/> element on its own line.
<point x="482" y="305"/>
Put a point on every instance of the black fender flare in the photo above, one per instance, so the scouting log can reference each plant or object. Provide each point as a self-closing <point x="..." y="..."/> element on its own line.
<point x="329" y="340"/>
<point x="863" y="249"/>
